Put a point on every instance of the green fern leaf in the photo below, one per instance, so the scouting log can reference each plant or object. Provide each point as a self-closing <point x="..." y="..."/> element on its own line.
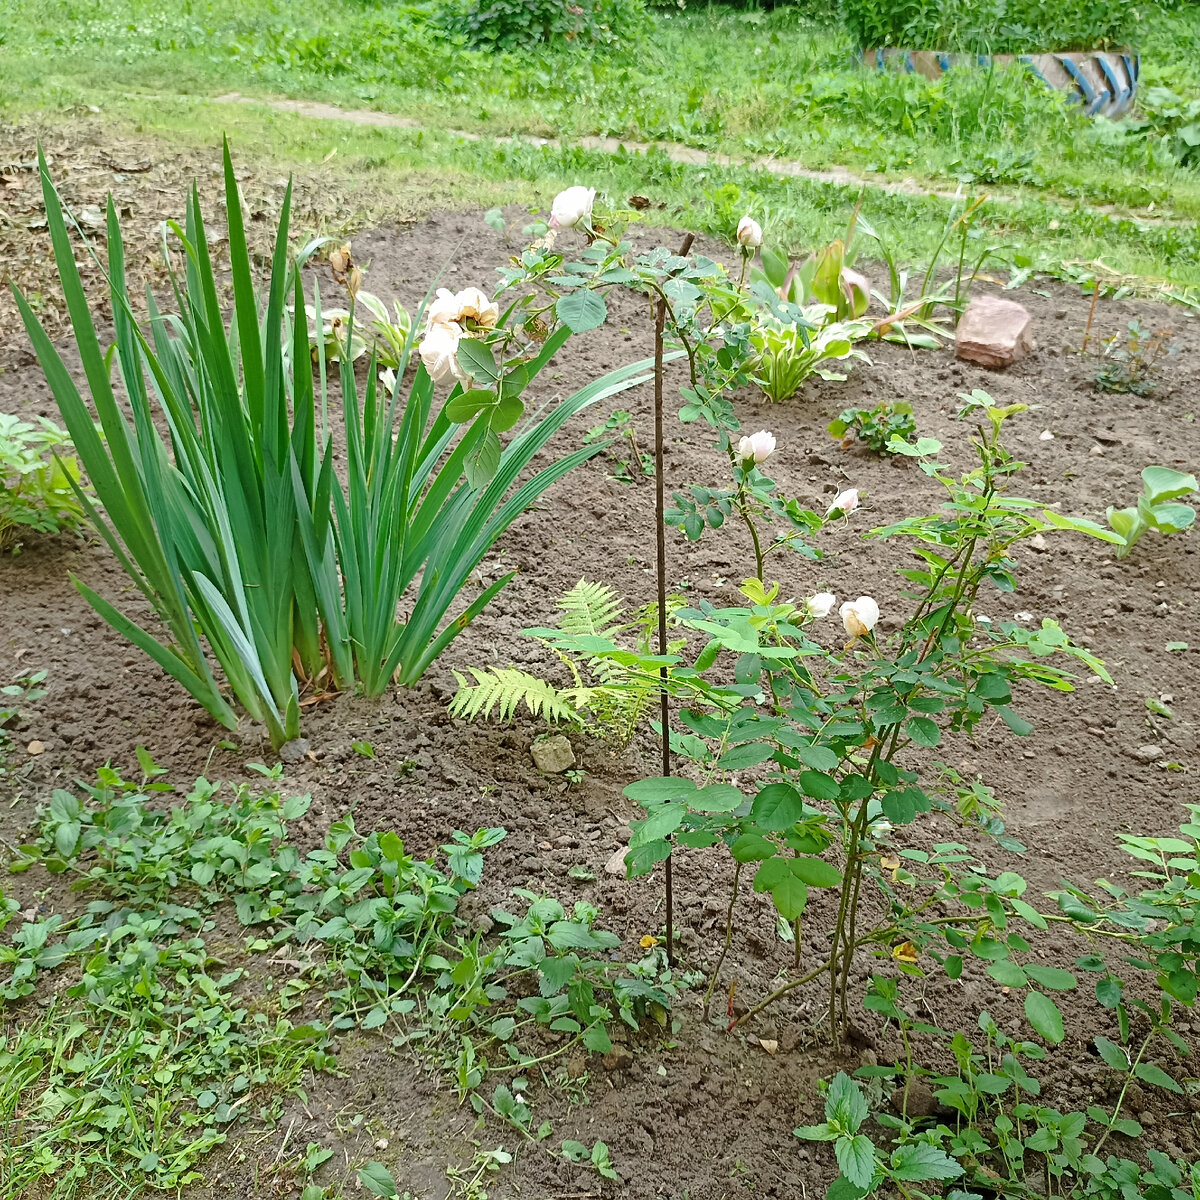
<point x="589" y="610"/>
<point x="502" y="689"/>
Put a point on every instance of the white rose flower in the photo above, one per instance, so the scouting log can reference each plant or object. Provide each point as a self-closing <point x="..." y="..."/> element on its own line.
<point x="820" y="606"/>
<point x="474" y="305"/>
<point x="844" y="502"/>
<point x="439" y="351"/>
<point x="859" y="616"/>
<point x="572" y="207"/>
<point x="456" y="307"/>
<point x="749" y="233"/>
<point x="443" y="310"/>
<point x="758" y="446"/>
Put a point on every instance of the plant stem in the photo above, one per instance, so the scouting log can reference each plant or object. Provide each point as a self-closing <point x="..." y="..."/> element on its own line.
<point x="737" y="872"/>
<point x="664" y="712"/>
<point x="787" y="987"/>
<point x="1121" y="1098"/>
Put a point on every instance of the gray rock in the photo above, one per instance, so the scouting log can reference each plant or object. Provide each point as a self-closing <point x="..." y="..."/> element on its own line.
<point x="1148" y="754"/>
<point x="553" y="754"/>
<point x="293" y="751"/>
<point x="994" y="332"/>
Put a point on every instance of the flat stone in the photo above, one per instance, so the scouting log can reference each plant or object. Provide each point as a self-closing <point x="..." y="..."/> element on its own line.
<point x="1148" y="754"/>
<point x="616" y="864"/>
<point x="552" y="754"/>
<point x="994" y="332"/>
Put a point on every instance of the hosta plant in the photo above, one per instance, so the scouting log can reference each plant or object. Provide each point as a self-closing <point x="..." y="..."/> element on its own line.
<point x="788" y="353"/>
<point x="37" y="480"/>
<point x="1158" y="507"/>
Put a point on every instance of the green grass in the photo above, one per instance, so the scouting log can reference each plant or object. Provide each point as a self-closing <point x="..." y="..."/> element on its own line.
<point x="748" y="84"/>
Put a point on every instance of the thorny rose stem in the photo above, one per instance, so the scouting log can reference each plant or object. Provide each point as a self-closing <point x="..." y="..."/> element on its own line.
<point x="660" y="504"/>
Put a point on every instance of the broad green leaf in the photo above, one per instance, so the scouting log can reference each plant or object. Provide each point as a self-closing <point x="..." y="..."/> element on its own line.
<point x="923" y="731"/>
<point x="596" y="1039"/>
<point x="465" y="407"/>
<point x="717" y="797"/>
<point x="790" y="895"/>
<point x="845" y="1105"/>
<point x="819" y="786"/>
<point x="1172" y="518"/>
<point x="660" y="820"/>
<point x="815" y="1133"/>
<point x="642" y="859"/>
<point x="1163" y="483"/>
<point x="1007" y="974"/>
<point x="1150" y="1073"/>
<point x="1114" y="1055"/>
<point x="376" y="1178"/>
<point x="816" y="872"/>
<point x="1044" y="1016"/>
<point x="841" y="1188"/>
<point x="1054" y="978"/>
<point x="918" y="1162"/>
<point x="752" y="847"/>
<point x="506" y="414"/>
<point x="477" y="360"/>
<point x="482" y="465"/>
<point x="1081" y="525"/>
<point x="820" y="758"/>
<point x="581" y="310"/>
<point x="776" y="807"/>
<point x="856" y="1157"/>
<point x="749" y="755"/>
<point x="659" y="790"/>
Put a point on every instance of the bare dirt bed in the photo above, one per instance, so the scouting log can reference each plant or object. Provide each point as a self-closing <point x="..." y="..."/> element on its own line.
<point x="699" y="1113"/>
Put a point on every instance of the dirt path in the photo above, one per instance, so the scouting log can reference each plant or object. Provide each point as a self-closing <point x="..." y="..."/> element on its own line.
<point x="676" y="152"/>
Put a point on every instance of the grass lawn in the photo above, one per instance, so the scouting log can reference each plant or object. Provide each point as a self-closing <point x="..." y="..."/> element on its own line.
<point x="746" y="84"/>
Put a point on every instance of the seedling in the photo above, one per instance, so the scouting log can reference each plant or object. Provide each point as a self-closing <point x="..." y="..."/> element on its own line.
<point x="875" y="426"/>
<point x="617" y="431"/>
<point x="1157" y="507"/>
<point x="1129" y="363"/>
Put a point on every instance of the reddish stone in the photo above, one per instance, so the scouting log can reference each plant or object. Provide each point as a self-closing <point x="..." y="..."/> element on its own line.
<point x="994" y="332"/>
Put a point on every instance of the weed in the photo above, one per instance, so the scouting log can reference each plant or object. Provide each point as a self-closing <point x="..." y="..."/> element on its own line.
<point x="875" y="426"/>
<point x="115" y="1085"/>
<point x="1131" y="359"/>
<point x="638" y="464"/>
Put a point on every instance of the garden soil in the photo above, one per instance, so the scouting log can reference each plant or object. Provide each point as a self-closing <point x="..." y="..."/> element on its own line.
<point x="688" y="1110"/>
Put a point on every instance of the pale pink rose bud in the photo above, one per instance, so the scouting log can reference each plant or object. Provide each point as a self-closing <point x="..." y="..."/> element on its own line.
<point x="758" y="446"/>
<point x="439" y="351"/>
<point x="844" y="502"/>
<point x="820" y="606"/>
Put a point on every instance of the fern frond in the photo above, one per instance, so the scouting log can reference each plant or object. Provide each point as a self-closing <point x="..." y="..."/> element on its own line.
<point x="589" y="610"/>
<point x="504" y="688"/>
